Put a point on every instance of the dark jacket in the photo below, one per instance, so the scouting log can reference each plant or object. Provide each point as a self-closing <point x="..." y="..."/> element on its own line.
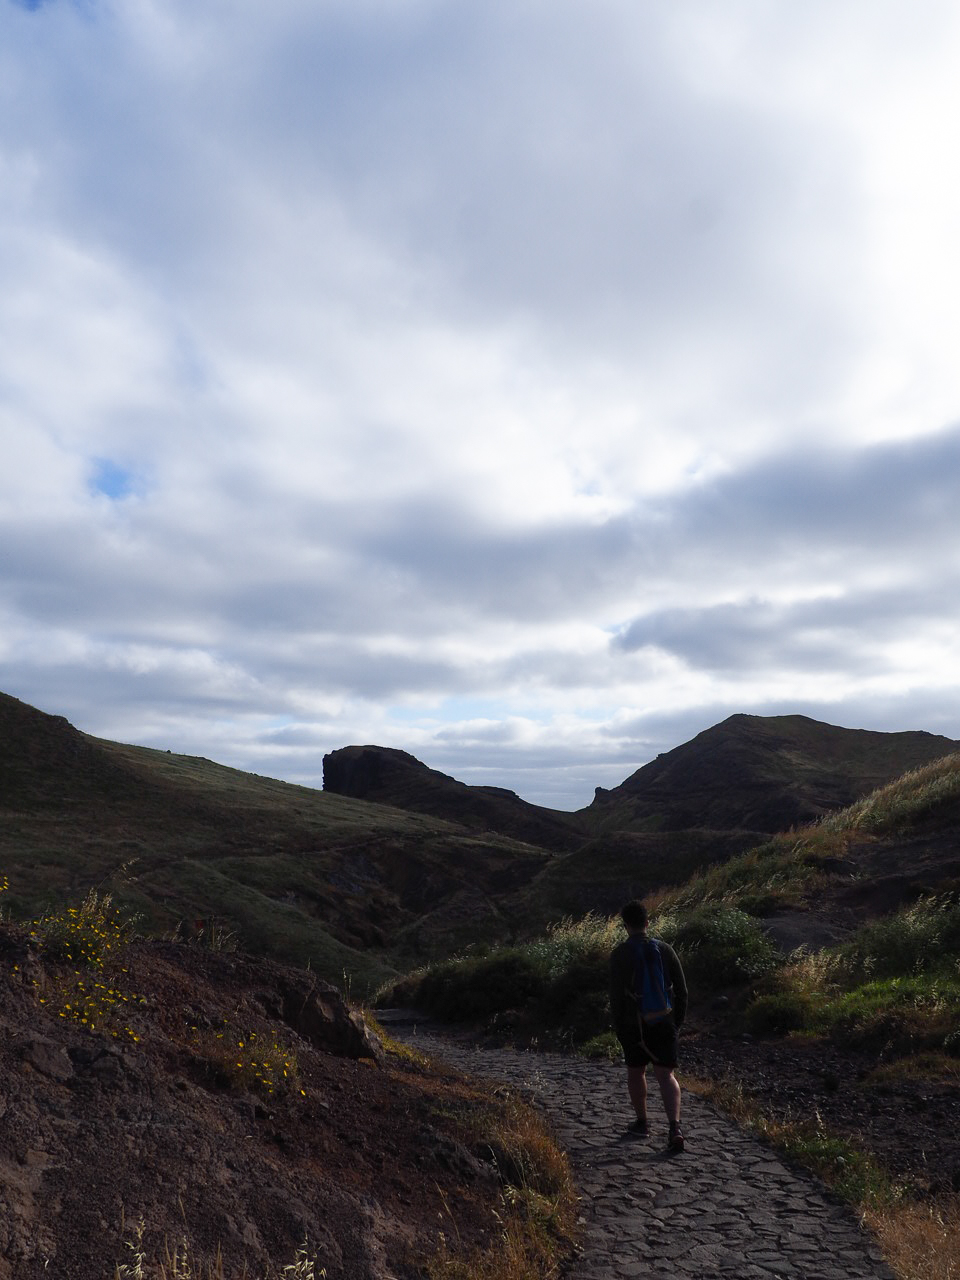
<point x="623" y="1008"/>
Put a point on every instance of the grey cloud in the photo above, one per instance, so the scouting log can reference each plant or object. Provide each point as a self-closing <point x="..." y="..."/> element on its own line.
<point x="326" y="577"/>
<point x="886" y="509"/>
<point x="570" y="171"/>
<point x="897" y="496"/>
<point x="818" y="635"/>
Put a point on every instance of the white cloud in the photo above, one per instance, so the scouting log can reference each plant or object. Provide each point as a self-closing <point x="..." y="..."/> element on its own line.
<point x="522" y="385"/>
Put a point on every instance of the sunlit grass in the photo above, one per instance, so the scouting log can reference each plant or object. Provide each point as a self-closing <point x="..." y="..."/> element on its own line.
<point x="895" y="983"/>
<point x="920" y="1241"/>
<point x="890" y="808"/>
<point x="535" y="1229"/>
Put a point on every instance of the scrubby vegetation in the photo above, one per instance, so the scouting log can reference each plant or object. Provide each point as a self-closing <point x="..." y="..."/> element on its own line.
<point x="895" y="984"/>
<point x="917" y="794"/>
<point x="559" y="983"/>
<point x="560" y="980"/>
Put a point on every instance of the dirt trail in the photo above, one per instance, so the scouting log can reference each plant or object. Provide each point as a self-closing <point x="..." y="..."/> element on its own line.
<point x="728" y="1206"/>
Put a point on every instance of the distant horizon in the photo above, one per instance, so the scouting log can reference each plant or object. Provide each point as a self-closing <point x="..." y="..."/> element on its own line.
<point x="503" y="782"/>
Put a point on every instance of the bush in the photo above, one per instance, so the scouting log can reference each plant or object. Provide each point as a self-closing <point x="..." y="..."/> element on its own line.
<point x="84" y="935"/>
<point x="921" y="939"/>
<point x="559" y="980"/>
<point x="475" y="987"/>
<point x="718" y="946"/>
<point x="606" y="1045"/>
<point x="575" y="1002"/>
<point x="780" y="1012"/>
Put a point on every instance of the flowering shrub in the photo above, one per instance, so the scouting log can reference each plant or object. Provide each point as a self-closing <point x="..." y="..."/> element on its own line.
<point x="85" y="935"/>
<point x="97" y="1006"/>
<point x="251" y="1061"/>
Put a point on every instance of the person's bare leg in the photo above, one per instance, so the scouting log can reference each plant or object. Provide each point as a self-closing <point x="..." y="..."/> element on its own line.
<point x="670" y="1093"/>
<point x="637" y="1088"/>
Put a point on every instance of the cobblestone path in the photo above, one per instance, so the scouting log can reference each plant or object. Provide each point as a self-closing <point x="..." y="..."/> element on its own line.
<point x="727" y="1206"/>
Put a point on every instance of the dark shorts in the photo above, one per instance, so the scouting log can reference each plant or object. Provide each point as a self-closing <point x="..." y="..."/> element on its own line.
<point x="656" y="1044"/>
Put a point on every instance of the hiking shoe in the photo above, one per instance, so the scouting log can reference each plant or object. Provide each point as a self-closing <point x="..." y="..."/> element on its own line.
<point x="639" y="1127"/>
<point x="675" y="1142"/>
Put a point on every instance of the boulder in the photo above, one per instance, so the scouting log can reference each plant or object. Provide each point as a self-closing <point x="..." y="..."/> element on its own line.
<point x="317" y="1011"/>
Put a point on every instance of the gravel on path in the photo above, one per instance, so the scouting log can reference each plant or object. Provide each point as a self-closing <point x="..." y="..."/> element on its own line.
<point x="726" y="1206"/>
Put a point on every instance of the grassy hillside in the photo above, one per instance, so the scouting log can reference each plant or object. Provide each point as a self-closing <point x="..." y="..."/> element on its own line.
<point x="193" y="1112"/>
<point x="360" y="888"/>
<point x="341" y="884"/>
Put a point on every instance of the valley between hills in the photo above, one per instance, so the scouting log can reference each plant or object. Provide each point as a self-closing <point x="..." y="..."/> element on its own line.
<point x="187" y="950"/>
<point x="393" y="864"/>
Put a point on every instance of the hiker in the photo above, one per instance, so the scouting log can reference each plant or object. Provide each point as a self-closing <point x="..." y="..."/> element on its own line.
<point x="648" y="1002"/>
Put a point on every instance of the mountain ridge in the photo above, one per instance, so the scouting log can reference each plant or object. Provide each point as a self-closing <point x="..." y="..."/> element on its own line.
<point x="415" y="865"/>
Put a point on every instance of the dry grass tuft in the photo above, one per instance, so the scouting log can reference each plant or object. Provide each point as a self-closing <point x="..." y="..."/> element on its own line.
<point x="535" y="1227"/>
<point x="181" y="1262"/>
<point x="920" y="1241"/>
<point x="396" y="1048"/>
<point x="515" y="1255"/>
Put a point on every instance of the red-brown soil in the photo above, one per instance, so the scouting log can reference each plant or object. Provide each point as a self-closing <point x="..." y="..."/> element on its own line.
<point x="367" y="1163"/>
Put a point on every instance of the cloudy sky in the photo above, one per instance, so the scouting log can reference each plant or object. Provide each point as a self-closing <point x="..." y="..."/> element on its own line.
<point x="529" y="384"/>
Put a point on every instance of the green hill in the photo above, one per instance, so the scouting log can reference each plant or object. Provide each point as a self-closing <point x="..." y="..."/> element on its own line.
<point x="306" y="876"/>
<point x="395" y="863"/>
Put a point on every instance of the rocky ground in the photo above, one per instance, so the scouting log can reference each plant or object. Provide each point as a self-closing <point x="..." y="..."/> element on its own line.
<point x="725" y="1207"/>
<point x="911" y="1125"/>
<point x="909" y="1122"/>
<point x="157" y="1116"/>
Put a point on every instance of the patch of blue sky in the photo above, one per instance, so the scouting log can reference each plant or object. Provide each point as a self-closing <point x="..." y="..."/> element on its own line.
<point x="111" y="479"/>
<point x="456" y="710"/>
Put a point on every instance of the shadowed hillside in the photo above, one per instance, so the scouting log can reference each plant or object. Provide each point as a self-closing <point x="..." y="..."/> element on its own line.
<point x="302" y="875"/>
<point x="762" y="773"/>
<point x="172" y="1111"/>
<point x="394" y="777"/>
<point x="421" y="865"/>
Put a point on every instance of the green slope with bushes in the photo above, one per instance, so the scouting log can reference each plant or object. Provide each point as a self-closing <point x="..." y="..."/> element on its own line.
<point x="894" y="979"/>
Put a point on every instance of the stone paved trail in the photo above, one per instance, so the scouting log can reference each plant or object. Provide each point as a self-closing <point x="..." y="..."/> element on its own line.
<point x="728" y="1206"/>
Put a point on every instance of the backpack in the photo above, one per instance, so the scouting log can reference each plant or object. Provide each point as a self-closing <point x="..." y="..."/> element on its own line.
<point x="649" y="988"/>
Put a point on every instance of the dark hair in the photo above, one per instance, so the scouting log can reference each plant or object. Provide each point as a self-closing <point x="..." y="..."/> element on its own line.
<point x="635" y="915"/>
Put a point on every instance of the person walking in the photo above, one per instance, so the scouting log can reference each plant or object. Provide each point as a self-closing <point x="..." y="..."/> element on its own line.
<point x="648" y="1003"/>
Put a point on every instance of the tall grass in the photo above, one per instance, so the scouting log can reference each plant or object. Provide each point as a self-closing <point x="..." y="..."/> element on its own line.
<point x="923" y="938"/>
<point x="776" y="873"/>
<point x="917" y="794"/>
<point x="896" y="983"/>
<point x="560" y="983"/>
